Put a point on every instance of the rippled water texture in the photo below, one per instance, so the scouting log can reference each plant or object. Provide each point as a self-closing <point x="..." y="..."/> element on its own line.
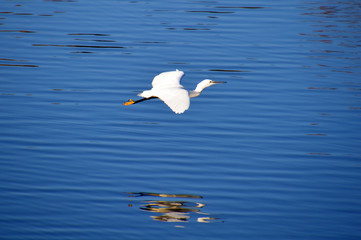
<point x="273" y="154"/>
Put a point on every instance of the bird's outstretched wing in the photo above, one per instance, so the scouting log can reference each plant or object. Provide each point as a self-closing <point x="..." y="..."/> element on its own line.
<point x="176" y="98"/>
<point x="168" y="79"/>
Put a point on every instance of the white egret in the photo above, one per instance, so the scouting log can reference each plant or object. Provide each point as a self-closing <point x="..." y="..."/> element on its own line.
<point x="167" y="87"/>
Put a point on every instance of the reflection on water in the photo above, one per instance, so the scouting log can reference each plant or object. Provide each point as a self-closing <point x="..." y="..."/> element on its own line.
<point x="335" y="38"/>
<point x="73" y="45"/>
<point x="173" y="210"/>
<point x="338" y="28"/>
<point x="14" y="64"/>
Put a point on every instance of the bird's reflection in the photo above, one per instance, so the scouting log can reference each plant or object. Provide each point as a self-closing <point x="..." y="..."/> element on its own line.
<point x="173" y="210"/>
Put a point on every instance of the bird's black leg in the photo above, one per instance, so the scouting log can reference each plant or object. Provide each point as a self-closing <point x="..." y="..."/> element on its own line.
<point x="130" y="101"/>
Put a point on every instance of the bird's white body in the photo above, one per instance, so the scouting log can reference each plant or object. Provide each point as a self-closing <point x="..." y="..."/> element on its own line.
<point x="166" y="86"/>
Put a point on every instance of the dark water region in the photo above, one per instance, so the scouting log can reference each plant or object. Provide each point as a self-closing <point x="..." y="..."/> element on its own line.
<point x="273" y="154"/>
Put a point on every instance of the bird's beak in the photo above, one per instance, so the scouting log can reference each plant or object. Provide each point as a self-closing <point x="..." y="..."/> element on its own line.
<point x="216" y="82"/>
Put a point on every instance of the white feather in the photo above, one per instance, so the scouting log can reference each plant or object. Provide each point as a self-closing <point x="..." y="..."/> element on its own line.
<point x="168" y="79"/>
<point x="176" y="98"/>
<point x="167" y="87"/>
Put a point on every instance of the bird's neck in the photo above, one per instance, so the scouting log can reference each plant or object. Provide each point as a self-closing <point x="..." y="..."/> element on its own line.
<point x="200" y="87"/>
<point x="197" y="91"/>
<point x="194" y="93"/>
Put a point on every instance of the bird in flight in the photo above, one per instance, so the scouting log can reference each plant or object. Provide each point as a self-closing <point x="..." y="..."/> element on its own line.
<point x="166" y="86"/>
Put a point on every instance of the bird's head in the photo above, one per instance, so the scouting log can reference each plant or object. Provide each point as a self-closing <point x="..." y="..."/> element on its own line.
<point x="206" y="83"/>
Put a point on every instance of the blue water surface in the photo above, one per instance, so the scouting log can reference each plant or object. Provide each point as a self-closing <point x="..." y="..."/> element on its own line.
<point x="273" y="154"/>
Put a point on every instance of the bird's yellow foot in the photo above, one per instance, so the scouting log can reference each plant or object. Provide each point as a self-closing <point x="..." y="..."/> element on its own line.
<point x="130" y="101"/>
